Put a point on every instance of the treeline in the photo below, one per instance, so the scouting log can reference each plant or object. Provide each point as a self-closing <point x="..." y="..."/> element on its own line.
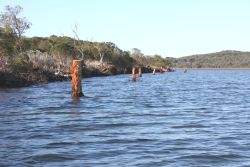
<point x="223" y="59"/>
<point x="57" y="52"/>
<point x="22" y="54"/>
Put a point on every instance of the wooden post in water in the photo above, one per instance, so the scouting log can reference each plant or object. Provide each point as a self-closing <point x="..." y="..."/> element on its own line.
<point x="133" y="74"/>
<point x="76" y="72"/>
<point x="154" y="72"/>
<point x="139" y="72"/>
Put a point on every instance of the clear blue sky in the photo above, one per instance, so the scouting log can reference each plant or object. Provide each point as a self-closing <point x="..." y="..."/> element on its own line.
<point x="165" y="27"/>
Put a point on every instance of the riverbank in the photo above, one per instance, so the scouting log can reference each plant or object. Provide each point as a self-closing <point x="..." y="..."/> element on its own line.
<point x="93" y="69"/>
<point x="15" y="80"/>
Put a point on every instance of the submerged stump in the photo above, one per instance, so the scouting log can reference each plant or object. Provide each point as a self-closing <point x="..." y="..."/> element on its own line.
<point x="133" y="74"/>
<point x="76" y="72"/>
<point x="139" y="72"/>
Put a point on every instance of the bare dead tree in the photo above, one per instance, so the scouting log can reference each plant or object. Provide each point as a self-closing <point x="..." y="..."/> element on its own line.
<point x="79" y="47"/>
<point x="100" y="51"/>
<point x="100" y="47"/>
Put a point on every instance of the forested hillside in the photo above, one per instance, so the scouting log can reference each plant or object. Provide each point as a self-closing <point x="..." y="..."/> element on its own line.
<point x="223" y="59"/>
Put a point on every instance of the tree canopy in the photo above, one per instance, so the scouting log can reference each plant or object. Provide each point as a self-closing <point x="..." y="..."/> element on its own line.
<point x="10" y="21"/>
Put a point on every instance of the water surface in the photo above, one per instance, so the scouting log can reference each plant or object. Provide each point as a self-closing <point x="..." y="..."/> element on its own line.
<point x="198" y="118"/>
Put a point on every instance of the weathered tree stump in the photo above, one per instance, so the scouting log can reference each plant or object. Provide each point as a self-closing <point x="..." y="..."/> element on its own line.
<point x="139" y="72"/>
<point x="133" y="74"/>
<point x="76" y="72"/>
<point x="154" y="72"/>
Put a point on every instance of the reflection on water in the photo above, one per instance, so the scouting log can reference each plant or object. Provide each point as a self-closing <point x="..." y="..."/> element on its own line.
<point x="198" y="118"/>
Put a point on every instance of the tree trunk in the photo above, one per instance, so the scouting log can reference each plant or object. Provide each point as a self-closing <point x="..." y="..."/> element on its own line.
<point x="139" y="72"/>
<point x="101" y="58"/>
<point x="133" y="74"/>
<point x="154" y="72"/>
<point x="76" y="72"/>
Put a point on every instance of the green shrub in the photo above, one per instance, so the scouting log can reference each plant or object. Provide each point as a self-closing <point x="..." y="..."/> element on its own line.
<point x="21" y="63"/>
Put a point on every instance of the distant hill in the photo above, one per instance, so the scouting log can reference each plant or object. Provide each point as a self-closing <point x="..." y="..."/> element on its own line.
<point x="223" y="59"/>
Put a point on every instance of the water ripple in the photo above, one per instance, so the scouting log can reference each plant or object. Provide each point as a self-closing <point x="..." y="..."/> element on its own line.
<point x="198" y="118"/>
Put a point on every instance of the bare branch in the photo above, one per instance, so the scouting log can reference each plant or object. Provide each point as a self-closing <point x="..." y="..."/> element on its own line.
<point x="81" y="47"/>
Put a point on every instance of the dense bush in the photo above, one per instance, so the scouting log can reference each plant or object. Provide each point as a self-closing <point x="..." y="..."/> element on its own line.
<point x="21" y="63"/>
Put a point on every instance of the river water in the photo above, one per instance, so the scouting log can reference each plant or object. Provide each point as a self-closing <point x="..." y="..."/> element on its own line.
<point x="198" y="118"/>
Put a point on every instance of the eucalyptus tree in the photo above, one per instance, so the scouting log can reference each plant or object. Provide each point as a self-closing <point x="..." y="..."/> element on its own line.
<point x="12" y="22"/>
